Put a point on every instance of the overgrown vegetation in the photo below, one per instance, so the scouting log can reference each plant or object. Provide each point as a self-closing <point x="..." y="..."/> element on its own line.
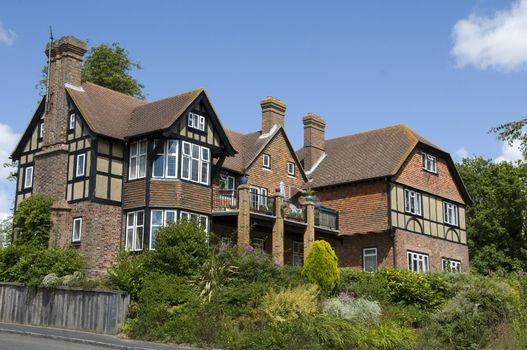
<point x="32" y="220"/>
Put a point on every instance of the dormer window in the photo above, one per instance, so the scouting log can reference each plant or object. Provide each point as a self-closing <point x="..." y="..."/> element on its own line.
<point x="429" y="163"/>
<point x="196" y="121"/>
<point x="71" y="125"/>
<point x="266" y="161"/>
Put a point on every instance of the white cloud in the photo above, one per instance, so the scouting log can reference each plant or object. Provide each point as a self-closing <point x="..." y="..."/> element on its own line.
<point x="510" y="153"/>
<point x="8" y="141"/>
<point x="7" y="36"/>
<point x="462" y="153"/>
<point x="497" y="41"/>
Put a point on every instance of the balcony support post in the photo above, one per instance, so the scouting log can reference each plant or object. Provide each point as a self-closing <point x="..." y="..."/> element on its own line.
<point x="278" y="230"/>
<point x="244" y="216"/>
<point x="309" y="233"/>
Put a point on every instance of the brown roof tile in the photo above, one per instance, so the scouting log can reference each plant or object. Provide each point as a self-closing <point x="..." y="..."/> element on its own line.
<point x="248" y="147"/>
<point x="367" y="155"/>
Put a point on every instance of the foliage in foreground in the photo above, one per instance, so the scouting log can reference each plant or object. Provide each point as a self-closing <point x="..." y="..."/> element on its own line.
<point x="32" y="220"/>
<point x="321" y="266"/>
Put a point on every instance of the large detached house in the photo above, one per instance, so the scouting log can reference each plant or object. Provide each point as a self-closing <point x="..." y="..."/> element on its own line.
<point x="120" y="168"/>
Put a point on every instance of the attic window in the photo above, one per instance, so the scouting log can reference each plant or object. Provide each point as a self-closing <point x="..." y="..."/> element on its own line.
<point x="290" y="169"/>
<point x="429" y="163"/>
<point x="41" y="130"/>
<point x="71" y="124"/>
<point x="196" y="121"/>
<point x="266" y="161"/>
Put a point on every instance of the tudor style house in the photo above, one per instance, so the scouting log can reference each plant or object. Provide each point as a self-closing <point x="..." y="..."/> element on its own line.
<point x="119" y="168"/>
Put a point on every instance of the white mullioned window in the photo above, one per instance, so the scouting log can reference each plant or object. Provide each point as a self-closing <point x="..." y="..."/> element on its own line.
<point x="298" y="253"/>
<point x="450" y="213"/>
<point x="203" y="220"/>
<point x="28" y="177"/>
<point x="41" y="130"/>
<point x="196" y="121"/>
<point x="137" y="168"/>
<point x="412" y="202"/>
<point x="266" y="161"/>
<point x="451" y="265"/>
<point x="80" y="165"/>
<point x="165" y="162"/>
<point x="76" y="230"/>
<point x="429" y="163"/>
<point x="71" y="124"/>
<point x="227" y="183"/>
<point x="135" y="222"/>
<point x="257" y="197"/>
<point x="290" y="168"/>
<point x="158" y="219"/>
<point x="369" y="259"/>
<point x="418" y="262"/>
<point x="195" y="163"/>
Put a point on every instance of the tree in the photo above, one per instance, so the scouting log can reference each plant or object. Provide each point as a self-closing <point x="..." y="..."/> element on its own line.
<point x="32" y="220"/>
<point x="108" y="66"/>
<point x="513" y="131"/>
<point x="496" y="221"/>
<point x="321" y="266"/>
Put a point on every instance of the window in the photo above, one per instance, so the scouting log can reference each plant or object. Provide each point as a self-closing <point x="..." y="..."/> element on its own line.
<point x="134" y="230"/>
<point x="369" y="259"/>
<point x="290" y="168"/>
<point x="418" y="262"/>
<point x="195" y="163"/>
<point x="41" y="130"/>
<point x="196" y="121"/>
<point x="257" y="197"/>
<point x="412" y="202"/>
<point x="137" y="159"/>
<point x="451" y="265"/>
<point x="298" y="253"/>
<point x="71" y="124"/>
<point x="165" y="162"/>
<point x="203" y="220"/>
<point x="159" y="218"/>
<point x="28" y="177"/>
<point x="258" y="244"/>
<point x="266" y="161"/>
<point x="429" y="163"/>
<point x="450" y="213"/>
<point x="227" y="183"/>
<point x="80" y="164"/>
<point x="76" y="230"/>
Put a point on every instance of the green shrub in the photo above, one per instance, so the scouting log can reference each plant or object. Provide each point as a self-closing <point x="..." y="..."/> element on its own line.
<point x="372" y="286"/>
<point x="362" y="310"/>
<point x="51" y="281"/>
<point x="29" y="264"/>
<point x="321" y="266"/>
<point x="242" y="299"/>
<point x="213" y="275"/>
<point x="32" y="221"/>
<point x="180" y="249"/>
<point x="127" y="272"/>
<point x="290" y="304"/>
<point x="424" y="290"/>
<point x="251" y="265"/>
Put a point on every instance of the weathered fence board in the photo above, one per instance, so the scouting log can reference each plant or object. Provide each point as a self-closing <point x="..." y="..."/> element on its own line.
<point x="92" y="310"/>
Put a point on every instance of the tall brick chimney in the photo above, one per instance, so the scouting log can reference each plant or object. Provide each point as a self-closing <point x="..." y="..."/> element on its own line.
<point x="51" y="162"/>
<point x="314" y="139"/>
<point x="273" y="113"/>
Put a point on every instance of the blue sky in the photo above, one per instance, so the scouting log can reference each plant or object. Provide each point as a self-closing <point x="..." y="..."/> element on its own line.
<point x="450" y="70"/>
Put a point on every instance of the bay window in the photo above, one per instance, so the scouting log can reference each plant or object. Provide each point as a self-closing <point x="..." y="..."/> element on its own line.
<point x="158" y="219"/>
<point x="138" y="150"/>
<point x="165" y="162"/>
<point x="134" y="230"/>
<point x="202" y="220"/>
<point x="195" y="163"/>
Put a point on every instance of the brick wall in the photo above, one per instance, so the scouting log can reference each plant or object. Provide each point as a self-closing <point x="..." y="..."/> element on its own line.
<point x="441" y="184"/>
<point x="349" y="250"/>
<point x="362" y="207"/>
<point x="434" y="247"/>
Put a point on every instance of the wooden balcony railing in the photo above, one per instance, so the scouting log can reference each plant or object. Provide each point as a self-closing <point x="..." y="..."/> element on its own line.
<point x="225" y="200"/>
<point x="326" y="217"/>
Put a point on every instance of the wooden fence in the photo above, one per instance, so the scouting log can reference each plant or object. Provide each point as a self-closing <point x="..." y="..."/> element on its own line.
<point x="91" y="310"/>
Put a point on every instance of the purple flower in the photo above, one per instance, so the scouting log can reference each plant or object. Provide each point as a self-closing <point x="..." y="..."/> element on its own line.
<point x="521" y="274"/>
<point x="249" y="248"/>
<point x="278" y="263"/>
<point x="223" y="247"/>
<point x="345" y="297"/>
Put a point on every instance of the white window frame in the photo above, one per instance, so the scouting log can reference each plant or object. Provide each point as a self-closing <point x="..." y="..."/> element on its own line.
<point x="450" y="214"/>
<point x="165" y="153"/>
<point x="132" y="230"/>
<point x="164" y="215"/>
<point x="41" y="129"/>
<point x="450" y="265"/>
<point x="257" y="195"/>
<point x="196" y="121"/>
<point x="291" y="169"/>
<point x="418" y="262"/>
<point x="202" y="161"/>
<point x="227" y="179"/>
<point x="188" y="215"/>
<point x="298" y="253"/>
<point x="28" y="184"/>
<point x="412" y="202"/>
<point x="80" y="170"/>
<point x="266" y="161"/>
<point x="429" y="163"/>
<point x="367" y="253"/>
<point x="71" y="125"/>
<point x="134" y="171"/>
<point x="76" y="238"/>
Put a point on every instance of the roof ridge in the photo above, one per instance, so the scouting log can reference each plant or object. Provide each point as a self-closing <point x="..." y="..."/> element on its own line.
<point x="401" y="126"/>
<point x="177" y="95"/>
<point x="115" y="91"/>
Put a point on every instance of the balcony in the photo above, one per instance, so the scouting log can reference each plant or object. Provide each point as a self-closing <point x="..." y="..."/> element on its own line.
<point x="225" y="201"/>
<point x="260" y="203"/>
<point x="326" y="218"/>
<point x="294" y="212"/>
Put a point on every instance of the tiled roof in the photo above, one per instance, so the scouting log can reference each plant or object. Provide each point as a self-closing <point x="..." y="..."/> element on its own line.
<point x="367" y="155"/>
